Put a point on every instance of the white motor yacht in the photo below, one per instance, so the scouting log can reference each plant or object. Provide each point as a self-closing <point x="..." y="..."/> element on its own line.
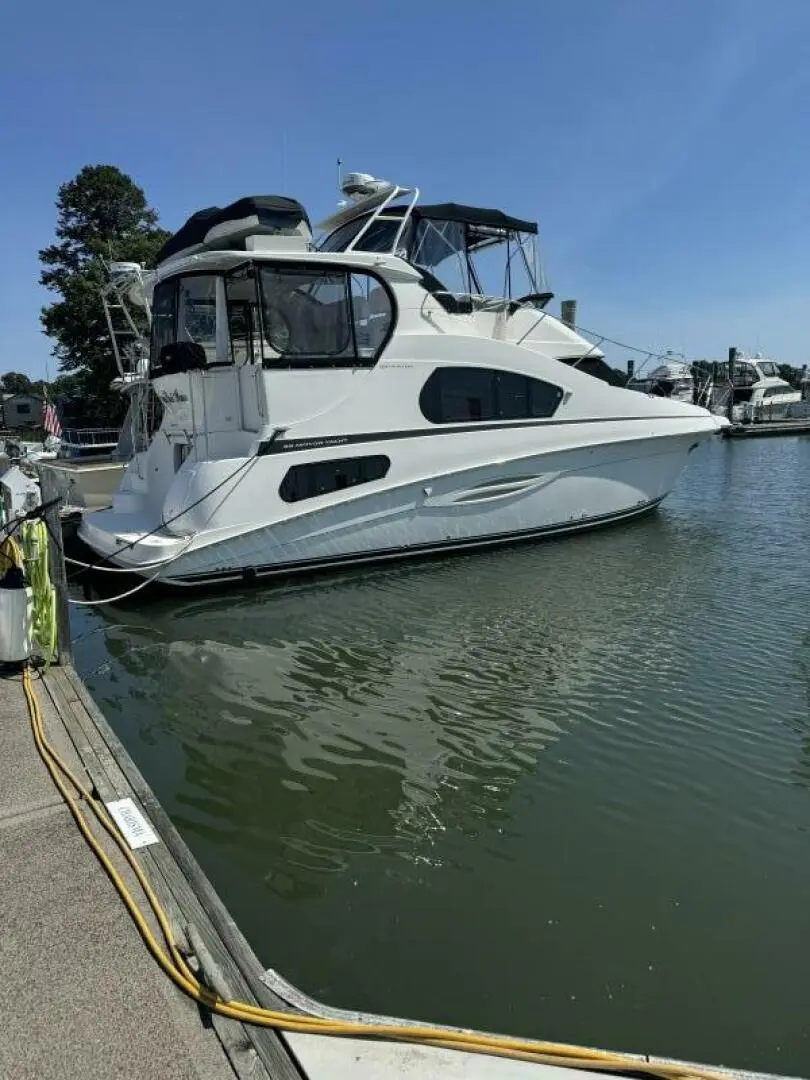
<point x="760" y="393"/>
<point x="672" y="378"/>
<point x="749" y="389"/>
<point x="399" y="389"/>
<point x="89" y="462"/>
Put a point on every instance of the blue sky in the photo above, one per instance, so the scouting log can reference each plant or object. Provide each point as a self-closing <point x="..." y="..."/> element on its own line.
<point x="661" y="144"/>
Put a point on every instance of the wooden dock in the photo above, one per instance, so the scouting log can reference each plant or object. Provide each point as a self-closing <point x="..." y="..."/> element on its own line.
<point x="768" y="428"/>
<point x="80" y="995"/>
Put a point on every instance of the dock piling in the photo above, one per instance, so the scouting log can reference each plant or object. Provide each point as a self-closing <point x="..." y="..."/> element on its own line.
<point x="568" y="313"/>
<point x="732" y="356"/>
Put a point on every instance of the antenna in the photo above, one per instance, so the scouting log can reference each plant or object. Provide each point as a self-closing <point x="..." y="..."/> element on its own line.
<point x="341" y="202"/>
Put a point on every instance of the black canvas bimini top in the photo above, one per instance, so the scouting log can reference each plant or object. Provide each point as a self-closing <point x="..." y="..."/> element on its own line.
<point x="466" y="215"/>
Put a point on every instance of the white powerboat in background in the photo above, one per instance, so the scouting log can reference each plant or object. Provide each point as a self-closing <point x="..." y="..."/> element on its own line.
<point x="757" y="389"/>
<point x="89" y="461"/>
<point x="399" y="389"/>
<point x="672" y="378"/>
<point x="86" y="466"/>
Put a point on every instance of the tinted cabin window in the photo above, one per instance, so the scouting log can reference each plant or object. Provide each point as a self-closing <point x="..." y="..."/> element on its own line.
<point x="184" y="309"/>
<point x="197" y="312"/>
<point x="243" y="314"/>
<point x="323" y="477"/>
<point x="164" y="317"/>
<point x="597" y="367"/>
<point x="323" y="317"/>
<point x="455" y="395"/>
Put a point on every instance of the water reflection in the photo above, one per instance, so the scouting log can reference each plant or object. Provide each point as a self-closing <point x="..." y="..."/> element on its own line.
<point x="374" y="712"/>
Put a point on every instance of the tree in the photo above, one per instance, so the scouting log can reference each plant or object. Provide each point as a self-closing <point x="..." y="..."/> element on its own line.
<point x="790" y="374"/>
<point x="102" y="216"/>
<point x="15" y="382"/>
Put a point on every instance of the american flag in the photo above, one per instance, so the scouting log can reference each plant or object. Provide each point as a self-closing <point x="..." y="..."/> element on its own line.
<point x="50" y="421"/>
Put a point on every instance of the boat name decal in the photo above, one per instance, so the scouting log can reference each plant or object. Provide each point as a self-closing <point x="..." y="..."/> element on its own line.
<point x="173" y="397"/>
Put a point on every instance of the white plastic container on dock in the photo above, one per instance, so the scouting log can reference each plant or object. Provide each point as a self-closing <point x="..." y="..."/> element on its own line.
<point x="15" y="625"/>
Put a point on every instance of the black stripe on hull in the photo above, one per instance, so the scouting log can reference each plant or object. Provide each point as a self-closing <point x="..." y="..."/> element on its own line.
<point x="412" y="552"/>
<point x="326" y="442"/>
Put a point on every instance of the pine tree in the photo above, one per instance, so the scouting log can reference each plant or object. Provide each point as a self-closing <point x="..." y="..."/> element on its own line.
<point x="102" y="216"/>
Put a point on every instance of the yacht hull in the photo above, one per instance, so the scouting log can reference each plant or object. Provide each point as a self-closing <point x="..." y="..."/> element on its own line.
<point x="434" y="549"/>
<point x="525" y="496"/>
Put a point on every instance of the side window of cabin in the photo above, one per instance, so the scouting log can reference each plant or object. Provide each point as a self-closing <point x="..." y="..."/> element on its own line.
<point x="184" y="313"/>
<point x="306" y="314"/>
<point x="371" y="315"/>
<point x="243" y="315"/>
<point x="458" y="395"/>
<point x="164" y="310"/>
<point x="197" y="313"/>
<point x="328" y="317"/>
<point x="454" y="395"/>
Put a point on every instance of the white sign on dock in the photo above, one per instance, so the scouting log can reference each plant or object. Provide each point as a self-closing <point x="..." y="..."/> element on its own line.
<point x="136" y="829"/>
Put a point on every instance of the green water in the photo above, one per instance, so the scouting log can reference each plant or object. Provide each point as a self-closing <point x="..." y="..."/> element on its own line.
<point x="559" y="789"/>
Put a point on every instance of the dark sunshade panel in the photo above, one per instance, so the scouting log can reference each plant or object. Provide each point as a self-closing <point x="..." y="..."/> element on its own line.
<point x="475" y="215"/>
<point x="273" y="211"/>
<point x="466" y="215"/>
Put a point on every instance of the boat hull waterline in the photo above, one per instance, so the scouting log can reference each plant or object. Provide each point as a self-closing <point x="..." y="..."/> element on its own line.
<point x="532" y="496"/>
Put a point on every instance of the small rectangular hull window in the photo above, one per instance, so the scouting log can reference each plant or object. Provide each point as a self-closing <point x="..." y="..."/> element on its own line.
<point x="324" y="477"/>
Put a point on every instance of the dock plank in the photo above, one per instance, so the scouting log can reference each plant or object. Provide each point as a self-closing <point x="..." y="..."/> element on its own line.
<point x="256" y="1053"/>
<point x="767" y="429"/>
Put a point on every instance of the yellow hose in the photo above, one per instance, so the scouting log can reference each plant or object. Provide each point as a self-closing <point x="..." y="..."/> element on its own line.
<point x="34" y="538"/>
<point x="177" y="969"/>
<point x="10" y="554"/>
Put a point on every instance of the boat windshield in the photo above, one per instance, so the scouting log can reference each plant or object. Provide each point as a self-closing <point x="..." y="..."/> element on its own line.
<point x="457" y="255"/>
<point x="768" y="367"/>
<point x="380" y="236"/>
<point x="745" y="374"/>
